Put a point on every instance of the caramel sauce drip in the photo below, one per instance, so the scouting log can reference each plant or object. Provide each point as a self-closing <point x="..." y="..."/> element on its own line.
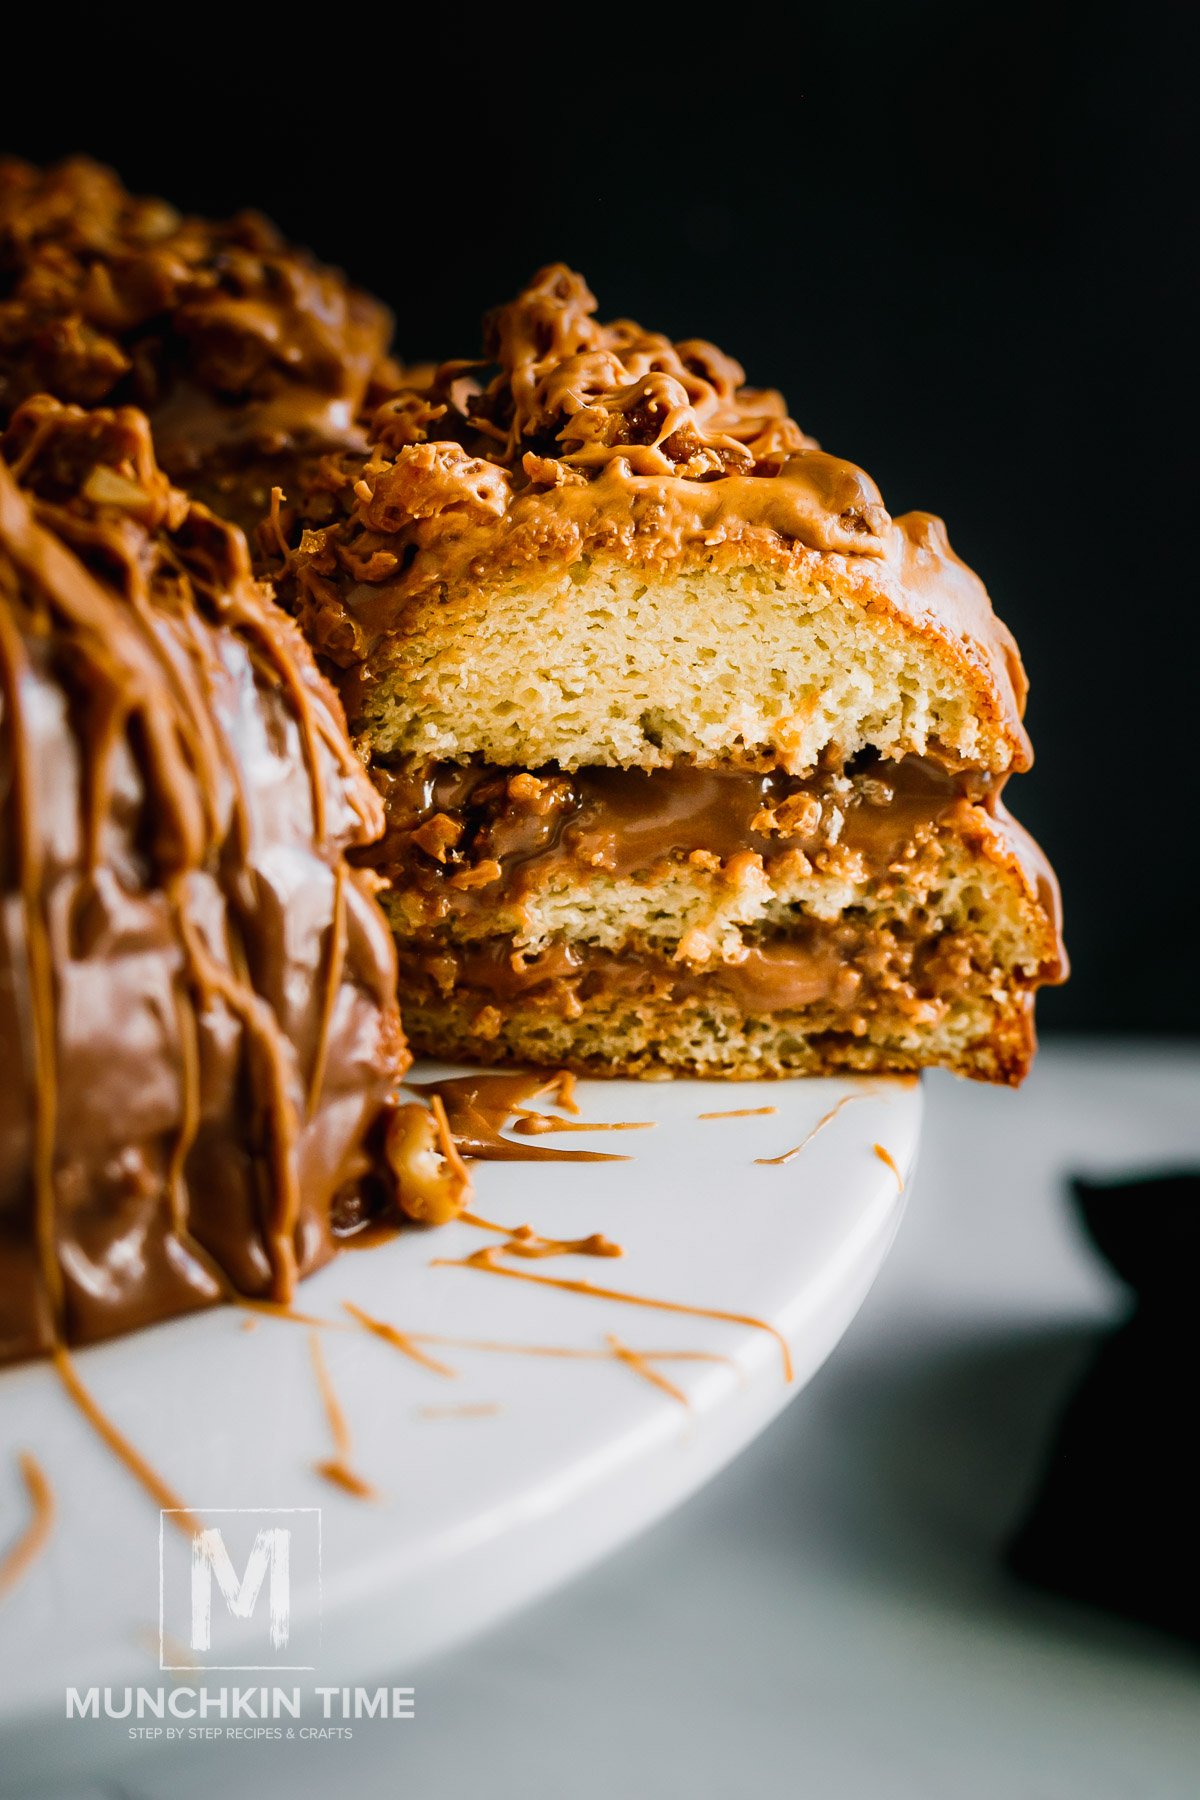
<point x="524" y="1241"/>
<point x="200" y="993"/>
<point x="641" y="1365"/>
<point x="889" y="1161"/>
<point x="486" y="1260"/>
<point x="826" y="1118"/>
<point x="403" y="1341"/>
<point x="740" y="1112"/>
<point x="337" y="1468"/>
<point x="640" y="1361"/>
<point x="536" y="1124"/>
<point x="479" y="1106"/>
<point x="20" y="1557"/>
<point x="162" y="1495"/>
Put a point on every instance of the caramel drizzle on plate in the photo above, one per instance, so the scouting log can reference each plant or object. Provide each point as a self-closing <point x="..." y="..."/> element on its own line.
<point x="825" y="1119"/>
<point x="33" y="1540"/>
<point x="163" y="1496"/>
<point x="409" y="1343"/>
<point x="406" y="1342"/>
<point x="536" y="1124"/>
<point x="740" y="1112"/>
<point x="886" y="1157"/>
<point x="524" y="1241"/>
<point x="336" y="1468"/>
<point x="479" y="1107"/>
<point x="485" y="1259"/>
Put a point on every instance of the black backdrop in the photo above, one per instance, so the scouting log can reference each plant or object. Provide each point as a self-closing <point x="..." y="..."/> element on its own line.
<point x="960" y="238"/>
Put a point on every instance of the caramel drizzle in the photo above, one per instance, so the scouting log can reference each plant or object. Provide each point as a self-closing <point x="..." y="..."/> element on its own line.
<point x="274" y="1309"/>
<point x="153" y="1483"/>
<point x="886" y="1157"/>
<point x="637" y="1361"/>
<point x="17" y="1561"/>
<point x="536" y="1124"/>
<point x="409" y="1343"/>
<point x="741" y="1112"/>
<point x="478" y="1108"/>
<point x="827" y="1118"/>
<point x="336" y="1468"/>
<point x="404" y="1341"/>
<point x="485" y="1259"/>
<point x="523" y="1240"/>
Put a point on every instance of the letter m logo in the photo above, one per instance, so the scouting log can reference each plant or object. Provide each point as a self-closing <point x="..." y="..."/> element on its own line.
<point x="240" y="1588"/>
<point x="269" y="1555"/>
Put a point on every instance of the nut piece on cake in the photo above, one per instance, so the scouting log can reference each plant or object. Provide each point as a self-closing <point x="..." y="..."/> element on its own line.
<point x="249" y="357"/>
<point x="198" y="1015"/>
<point x="691" y="753"/>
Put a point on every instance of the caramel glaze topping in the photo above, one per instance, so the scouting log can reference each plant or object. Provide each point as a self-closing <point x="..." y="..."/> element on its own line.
<point x="570" y="437"/>
<point x="237" y="344"/>
<point x="197" y="995"/>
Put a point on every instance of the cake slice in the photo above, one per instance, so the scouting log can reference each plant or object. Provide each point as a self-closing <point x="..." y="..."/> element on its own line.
<point x="692" y="755"/>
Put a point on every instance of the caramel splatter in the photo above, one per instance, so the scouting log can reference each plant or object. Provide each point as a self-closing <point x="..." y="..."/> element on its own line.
<point x="337" y="1468"/>
<point x="409" y="1344"/>
<point x="886" y="1157"/>
<point x="17" y="1562"/>
<point x="741" y="1112"/>
<point x="639" y="1363"/>
<point x="403" y="1341"/>
<point x="523" y="1240"/>
<point x="479" y="1107"/>
<point x="486" y="1260"/>
<point x="275" y="1309"/>
<point x="537" y="1124"/>
<point x="119" y="1444"/>
<point x="822" y="1122"/>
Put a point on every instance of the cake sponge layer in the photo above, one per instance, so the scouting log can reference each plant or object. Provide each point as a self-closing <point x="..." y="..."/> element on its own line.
<point x="598" y="663"/>
<point x="985" y="1037"/>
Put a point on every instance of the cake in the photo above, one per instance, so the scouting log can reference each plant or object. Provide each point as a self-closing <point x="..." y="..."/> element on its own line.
<point x="198" y="1016"/>
<point x="692" y="755"/>
<point x="250" y="357"/>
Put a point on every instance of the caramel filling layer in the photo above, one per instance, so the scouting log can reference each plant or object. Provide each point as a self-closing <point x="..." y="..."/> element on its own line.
<point x="470" y="836"/>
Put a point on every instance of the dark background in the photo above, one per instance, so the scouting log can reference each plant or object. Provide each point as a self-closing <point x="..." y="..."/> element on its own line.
<point x="960" y="238"/>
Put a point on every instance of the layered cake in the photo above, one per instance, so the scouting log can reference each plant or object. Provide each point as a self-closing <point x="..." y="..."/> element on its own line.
<point x="248" y="355"/>
<point x="198" y="1018"/>
<point x="692" y="755"/>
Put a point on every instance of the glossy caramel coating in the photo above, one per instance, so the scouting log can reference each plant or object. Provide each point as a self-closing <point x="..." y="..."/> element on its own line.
<point x="197" y="993"/>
